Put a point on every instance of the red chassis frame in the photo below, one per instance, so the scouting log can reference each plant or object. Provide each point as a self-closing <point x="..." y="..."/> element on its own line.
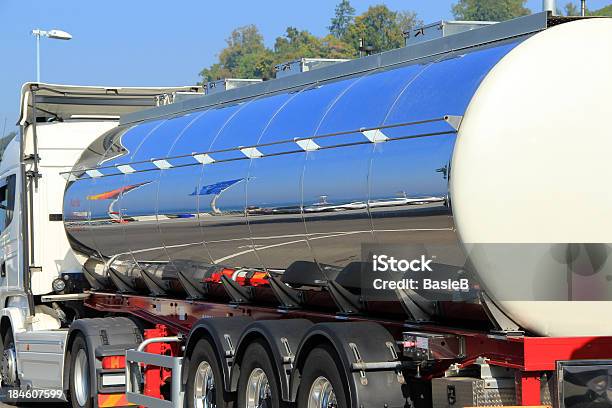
<point x="530" y="355"/>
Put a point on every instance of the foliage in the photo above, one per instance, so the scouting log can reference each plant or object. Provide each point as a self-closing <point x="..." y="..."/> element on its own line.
<point x="489" y="10"/>
<point x="380" y="28"/>
<point x="336" y="48"/>
<point x="297" y="44"/>
<point x="571" y="10"/>
<point x="246" y="55"/>
<point x="407" y="20"/>
<point x="605" y="11"/>
<point x="343" y="18"/>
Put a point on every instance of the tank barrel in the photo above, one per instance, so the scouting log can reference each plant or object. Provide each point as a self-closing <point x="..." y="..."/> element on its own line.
<point x="314" y="172"/>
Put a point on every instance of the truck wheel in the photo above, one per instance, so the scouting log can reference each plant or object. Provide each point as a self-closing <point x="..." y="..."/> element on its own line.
<point x="9" y="360"/>
<point x="321" y="385"/>
<point x="205" y="380"/>
<point x="257" y="385"/>
<point x="80" y="388"/>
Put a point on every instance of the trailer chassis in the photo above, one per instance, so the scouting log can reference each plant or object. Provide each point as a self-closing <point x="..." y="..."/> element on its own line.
<point x="533" y="358"/>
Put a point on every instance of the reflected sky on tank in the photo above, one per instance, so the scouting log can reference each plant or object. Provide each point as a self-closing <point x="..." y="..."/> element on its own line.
<point x="376" y="171"/>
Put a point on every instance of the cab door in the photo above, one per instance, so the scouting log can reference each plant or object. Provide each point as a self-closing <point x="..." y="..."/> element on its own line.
<point x="9" y="276"/>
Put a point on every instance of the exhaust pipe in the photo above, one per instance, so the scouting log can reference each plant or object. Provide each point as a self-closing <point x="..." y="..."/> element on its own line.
<point x="549" y="5"/>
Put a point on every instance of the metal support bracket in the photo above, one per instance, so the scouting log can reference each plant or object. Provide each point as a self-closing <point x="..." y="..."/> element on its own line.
<point x="503" y="324"/>
<point x="193" y="293"/>
<point x="33" y="174"/>
<point x="347" y="302"/>
<point x="454" y="121"/>
<point x="238" y="294"/>
<point x="133" y="379"/>
<point x="415" y="306"/>
<point x="31" y="158"/>
<point x="288" y="297"/>
<point x="153" y="287"/>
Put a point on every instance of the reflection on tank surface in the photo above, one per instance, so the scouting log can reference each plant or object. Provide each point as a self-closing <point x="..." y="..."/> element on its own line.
<point x="114" y="215"/>
<point x="308" y="174"/>
<point x="324" y="206"/>
<point x="215" y="190"/>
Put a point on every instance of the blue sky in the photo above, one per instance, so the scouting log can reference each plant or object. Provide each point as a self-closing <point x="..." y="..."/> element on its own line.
<point x="155" y="42"/>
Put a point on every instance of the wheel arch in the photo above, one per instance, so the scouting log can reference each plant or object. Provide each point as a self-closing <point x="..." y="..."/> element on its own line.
<point x="12" y="319"/>
<point x="373" y="342"/>
<point x="281" y="339"/>
<point x="5" y="326"/>
<point x="97" y="333"/>
<point x="223" y="334"/>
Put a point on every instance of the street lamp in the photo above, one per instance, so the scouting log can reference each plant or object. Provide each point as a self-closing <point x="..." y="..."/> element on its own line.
<point x="55" y="34"/>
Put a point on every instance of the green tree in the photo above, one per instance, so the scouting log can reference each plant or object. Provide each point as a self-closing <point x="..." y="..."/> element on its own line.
<point x="343" y="17"/>
<point x="489" y="10"/>
<point x="296" y="44"/>
<point x="302" y="44"/>
<point x="606" y="11"/>
<point x="571" y="9"/>
<point x="245" y="56"/>
<point x="378" y="27"/>
<point x="336" y="48"/>
<point x="407" y="20"/>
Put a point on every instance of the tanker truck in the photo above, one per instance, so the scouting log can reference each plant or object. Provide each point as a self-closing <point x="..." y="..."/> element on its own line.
<point x="425" y="227"/>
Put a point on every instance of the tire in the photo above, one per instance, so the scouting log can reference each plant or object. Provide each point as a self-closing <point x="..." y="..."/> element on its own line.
<point x="203" y="357"/>
<point x="8" y="346"/>
<point x="8" y="343"/>
<point x="79" y="376"/>
<point x="256" y="364"/>
<point x="321" y="372"/>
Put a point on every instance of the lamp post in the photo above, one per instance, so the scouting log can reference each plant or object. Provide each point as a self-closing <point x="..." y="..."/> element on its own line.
<point x="55" y="34"/>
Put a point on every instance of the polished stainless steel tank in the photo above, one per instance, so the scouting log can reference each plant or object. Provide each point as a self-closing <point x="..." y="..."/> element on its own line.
<point x="318" y="170"/>
<point x="296" y="202"/>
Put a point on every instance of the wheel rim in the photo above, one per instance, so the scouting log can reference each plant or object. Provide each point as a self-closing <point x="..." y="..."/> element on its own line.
<point x="204" y="394"/>
<point x="81" y="377"/>
<point x="9" y="366"/>
<point x="322" y="394"/>
<point x="258" y="394"/>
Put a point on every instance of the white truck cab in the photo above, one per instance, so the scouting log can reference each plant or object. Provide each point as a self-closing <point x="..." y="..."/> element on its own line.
<point x="56" y="122"/>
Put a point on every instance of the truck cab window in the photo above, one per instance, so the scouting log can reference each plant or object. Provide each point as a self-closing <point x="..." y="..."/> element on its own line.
<point x="7" y="201"/>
